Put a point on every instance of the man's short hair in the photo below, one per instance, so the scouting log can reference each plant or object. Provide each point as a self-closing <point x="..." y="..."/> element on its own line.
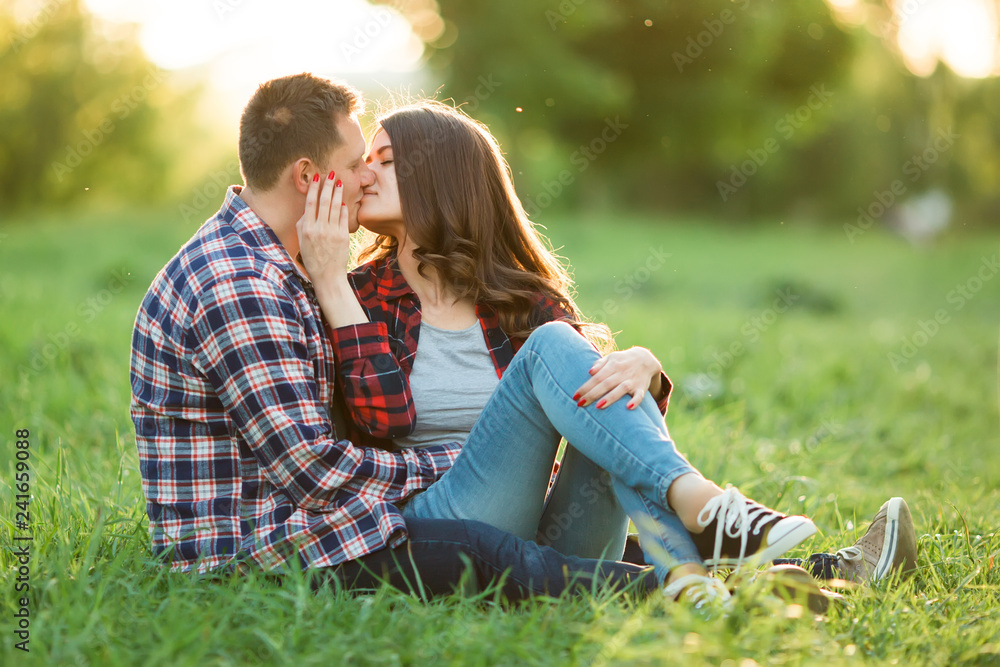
<point x="290" y="118"/>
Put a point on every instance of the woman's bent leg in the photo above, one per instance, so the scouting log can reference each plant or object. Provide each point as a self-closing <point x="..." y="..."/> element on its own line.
<point x="582" y="516"/>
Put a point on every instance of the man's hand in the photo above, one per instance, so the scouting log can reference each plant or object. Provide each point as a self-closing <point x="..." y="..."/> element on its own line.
<point x="633" y="371"/>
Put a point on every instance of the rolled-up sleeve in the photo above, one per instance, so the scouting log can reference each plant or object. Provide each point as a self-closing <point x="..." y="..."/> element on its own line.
<point x="374" y="385"/>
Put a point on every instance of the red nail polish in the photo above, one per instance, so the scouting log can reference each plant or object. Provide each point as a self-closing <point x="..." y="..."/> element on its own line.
<point x="601" y="403"/>
<point x="631" y="406"/>
<point x="581" y="402"/>
<point x="332" y="174"/>
<point x="338" y="183"/>
<point x="576" y="396"/>
<point x="316" y="178"/>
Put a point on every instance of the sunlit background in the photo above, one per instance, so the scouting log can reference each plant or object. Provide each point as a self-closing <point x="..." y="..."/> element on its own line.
<point x="700" y="95"/>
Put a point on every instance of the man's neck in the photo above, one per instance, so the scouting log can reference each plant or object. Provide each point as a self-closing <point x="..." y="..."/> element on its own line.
<point x="280" y="213"/>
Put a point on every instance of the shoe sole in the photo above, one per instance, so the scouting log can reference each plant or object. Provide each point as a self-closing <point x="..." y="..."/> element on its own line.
<point x="890" y="541"/>
<point x="789" y="540"/>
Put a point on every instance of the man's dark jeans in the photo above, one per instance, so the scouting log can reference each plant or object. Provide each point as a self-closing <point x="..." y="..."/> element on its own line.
<point x="445" y="555"/>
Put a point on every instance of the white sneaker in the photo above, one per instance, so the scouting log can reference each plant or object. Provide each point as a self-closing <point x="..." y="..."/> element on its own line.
<point x="705" y="593"/>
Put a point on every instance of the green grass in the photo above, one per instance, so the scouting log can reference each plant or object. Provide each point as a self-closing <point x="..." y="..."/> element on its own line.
<point x="809" y="415"/>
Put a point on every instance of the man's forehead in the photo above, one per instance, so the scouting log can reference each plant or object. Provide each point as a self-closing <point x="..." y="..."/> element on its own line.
<point x="352" y="144"/>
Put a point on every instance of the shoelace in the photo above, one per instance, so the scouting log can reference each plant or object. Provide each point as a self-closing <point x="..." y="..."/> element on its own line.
<point x="704" y="590"/>
<point x="851" y="554"/>
<point x="737" y="517"/>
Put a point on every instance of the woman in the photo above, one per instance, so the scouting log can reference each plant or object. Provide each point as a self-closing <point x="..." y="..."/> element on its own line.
<point x="458" y="268"/>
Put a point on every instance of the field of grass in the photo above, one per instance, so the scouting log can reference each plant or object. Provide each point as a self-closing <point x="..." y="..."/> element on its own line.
<point x="820" y="376"/>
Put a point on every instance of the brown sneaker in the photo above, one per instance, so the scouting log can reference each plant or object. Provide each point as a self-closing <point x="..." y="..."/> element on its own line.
<point x="889" y="545"/>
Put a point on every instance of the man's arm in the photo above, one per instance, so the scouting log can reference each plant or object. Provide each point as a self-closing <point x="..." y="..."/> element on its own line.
<point x="251" y="344"/>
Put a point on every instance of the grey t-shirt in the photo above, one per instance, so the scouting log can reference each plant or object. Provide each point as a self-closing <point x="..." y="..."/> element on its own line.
<point x="452" y="377"/>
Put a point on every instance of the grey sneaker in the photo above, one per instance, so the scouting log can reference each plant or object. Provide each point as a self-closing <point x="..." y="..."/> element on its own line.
<point x="889" y="545"/>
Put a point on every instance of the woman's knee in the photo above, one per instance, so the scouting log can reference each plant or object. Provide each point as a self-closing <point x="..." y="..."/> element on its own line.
<point x="558" y="333"/>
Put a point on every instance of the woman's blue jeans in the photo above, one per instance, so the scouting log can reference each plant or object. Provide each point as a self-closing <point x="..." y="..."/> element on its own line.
<point x="621" y="463"/>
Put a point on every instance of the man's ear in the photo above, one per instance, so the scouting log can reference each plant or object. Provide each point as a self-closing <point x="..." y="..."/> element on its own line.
<point x="302" y="172"/>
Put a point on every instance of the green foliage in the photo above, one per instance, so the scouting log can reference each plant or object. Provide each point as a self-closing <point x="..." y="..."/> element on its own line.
<point x="810" y="416"/>
<point x="742" y="109"/>
<point x="85" y="115"/>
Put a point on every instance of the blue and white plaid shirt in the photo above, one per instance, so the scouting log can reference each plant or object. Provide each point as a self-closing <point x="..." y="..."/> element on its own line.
<point x="232" y="376"/>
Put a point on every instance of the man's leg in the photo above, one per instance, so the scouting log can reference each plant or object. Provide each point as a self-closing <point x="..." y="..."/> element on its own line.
<point x="442" y="556"/>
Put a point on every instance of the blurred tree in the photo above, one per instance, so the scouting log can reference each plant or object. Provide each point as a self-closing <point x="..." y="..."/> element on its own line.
<point x="84" y="113"/>
<point x="745" y="108"/>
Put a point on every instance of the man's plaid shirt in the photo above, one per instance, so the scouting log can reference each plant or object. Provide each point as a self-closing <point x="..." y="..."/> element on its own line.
<point x="373" y="371"/>
<point x="232" y="377"/>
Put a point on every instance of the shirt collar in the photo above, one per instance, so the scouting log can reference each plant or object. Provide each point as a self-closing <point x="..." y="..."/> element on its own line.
<point x="255" y="232"/>
<point x="392" y="284"/>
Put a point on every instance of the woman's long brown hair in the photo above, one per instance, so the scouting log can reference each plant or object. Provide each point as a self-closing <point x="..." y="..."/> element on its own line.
<point x="465" y="220"/>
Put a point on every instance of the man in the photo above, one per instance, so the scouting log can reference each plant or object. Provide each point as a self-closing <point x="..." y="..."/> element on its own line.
<point x="232" y="375"/>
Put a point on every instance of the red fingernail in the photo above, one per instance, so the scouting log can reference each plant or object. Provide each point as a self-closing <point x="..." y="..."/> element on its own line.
<point x="332" y="174"/>
<point x="631" y="406"/>
<point x="338" y="183"/>
<point x="576" y="396"/>
<point x="316" y="178"/>
<point x="581" y="402"/>
<point x="344" y="204"/>
<point x="601" y="403"/>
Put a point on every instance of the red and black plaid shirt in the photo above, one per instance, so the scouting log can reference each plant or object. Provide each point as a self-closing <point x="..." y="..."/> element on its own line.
<point x="373" y="369"/>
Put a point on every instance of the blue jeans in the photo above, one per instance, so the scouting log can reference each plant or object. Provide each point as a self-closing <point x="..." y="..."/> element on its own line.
<point x="442" y="556"/>
<point x="620" y="459"/>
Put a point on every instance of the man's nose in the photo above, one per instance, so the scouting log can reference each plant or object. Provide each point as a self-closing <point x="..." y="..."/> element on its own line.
<point x="367" y="177"/>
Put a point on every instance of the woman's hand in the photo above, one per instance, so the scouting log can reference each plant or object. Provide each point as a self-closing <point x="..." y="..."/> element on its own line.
<point x="633" y="371"/>
<point x="324" y="239"/>
<point x="324" y="244"/>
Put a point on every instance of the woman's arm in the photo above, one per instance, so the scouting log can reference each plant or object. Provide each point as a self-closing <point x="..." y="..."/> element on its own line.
<point x="374" y="386"/>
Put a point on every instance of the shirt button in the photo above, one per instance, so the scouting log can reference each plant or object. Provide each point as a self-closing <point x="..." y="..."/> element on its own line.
<point x="381" y="339"/>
